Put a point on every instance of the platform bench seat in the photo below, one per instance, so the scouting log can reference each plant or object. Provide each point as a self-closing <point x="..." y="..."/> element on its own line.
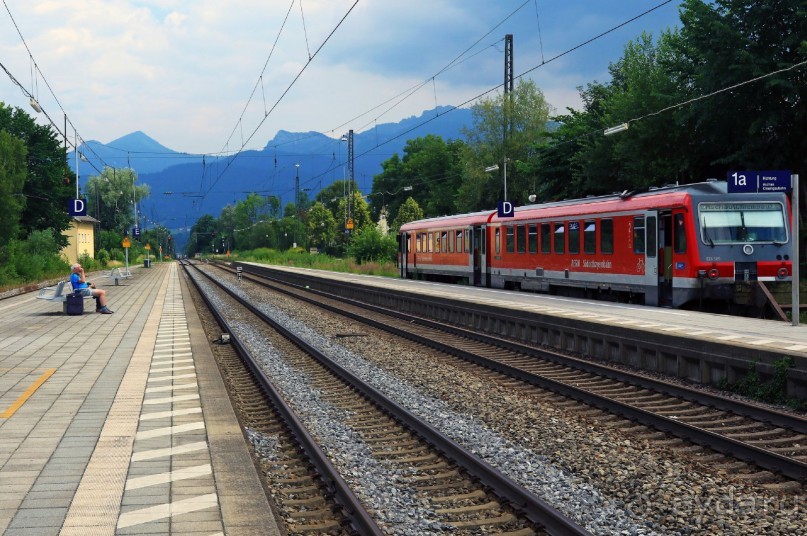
<point x="57" y="294"/>
<point x="117" y="274"/>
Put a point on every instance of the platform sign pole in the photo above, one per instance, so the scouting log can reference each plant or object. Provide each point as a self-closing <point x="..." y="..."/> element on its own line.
<point x="126" y="245"/>
<point x="796" y="309"/>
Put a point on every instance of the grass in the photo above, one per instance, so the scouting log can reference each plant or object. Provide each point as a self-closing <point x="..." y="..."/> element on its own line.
<point x="319" y="261"/>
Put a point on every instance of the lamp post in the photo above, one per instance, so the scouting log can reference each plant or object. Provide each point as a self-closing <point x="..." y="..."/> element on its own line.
<point x="495" y="167"/>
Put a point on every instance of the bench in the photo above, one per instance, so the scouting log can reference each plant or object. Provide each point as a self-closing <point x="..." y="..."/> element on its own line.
<point x="117" y="274"/>
<point x="56" y="294"/>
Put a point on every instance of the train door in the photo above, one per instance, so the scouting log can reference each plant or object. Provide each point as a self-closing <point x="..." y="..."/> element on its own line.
<point x="665" y="260"/>
<point x="651" y="262"/>
<point x="478" y="253"/>
<point x="403" y="251"/>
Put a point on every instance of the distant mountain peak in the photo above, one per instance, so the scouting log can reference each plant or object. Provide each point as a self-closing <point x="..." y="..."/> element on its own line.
<point x="139" y="141"/>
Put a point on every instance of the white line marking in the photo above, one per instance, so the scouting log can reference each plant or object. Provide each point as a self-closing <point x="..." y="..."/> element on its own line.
<point x="167" y="388"/>
<point x="169" y="369"/>
<point x="174" y="413"/>
<point x="182" y="398"/>
<point x="171" y="476"/>
<point x="170" y="430"/>
<point x="162" y="511"/>
<point x="174" y="377"/>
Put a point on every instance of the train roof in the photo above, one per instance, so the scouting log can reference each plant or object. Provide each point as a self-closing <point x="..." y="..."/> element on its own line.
<point x="458" y="220"/>
<point x="647" y="199"/>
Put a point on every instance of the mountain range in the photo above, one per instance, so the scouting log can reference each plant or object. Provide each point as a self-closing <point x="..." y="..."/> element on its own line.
<point x="185" y="186"/>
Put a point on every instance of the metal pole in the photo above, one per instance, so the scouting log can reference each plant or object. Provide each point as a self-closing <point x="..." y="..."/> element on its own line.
<point x="796" y="309"/>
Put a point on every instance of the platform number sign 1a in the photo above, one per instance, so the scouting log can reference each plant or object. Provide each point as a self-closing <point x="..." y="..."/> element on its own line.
<point x="758" y="181"/>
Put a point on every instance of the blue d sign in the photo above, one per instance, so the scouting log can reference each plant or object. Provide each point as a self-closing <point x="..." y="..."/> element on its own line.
<point x="77" y="207"/>
<point x="506" y="209"/>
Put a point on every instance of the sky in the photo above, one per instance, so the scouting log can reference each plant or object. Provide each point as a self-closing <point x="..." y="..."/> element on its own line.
<point x="212" y="76"/>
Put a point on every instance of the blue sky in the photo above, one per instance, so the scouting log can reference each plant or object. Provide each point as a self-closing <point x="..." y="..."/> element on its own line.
<point x="183" y="71"/>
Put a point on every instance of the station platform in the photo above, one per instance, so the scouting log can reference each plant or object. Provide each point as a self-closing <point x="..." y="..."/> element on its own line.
<point x="120" y="424"/>
<point x="741" y="333"/>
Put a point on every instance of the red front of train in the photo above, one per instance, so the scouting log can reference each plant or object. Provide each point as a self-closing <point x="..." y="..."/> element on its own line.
<point x="673" y="246"/>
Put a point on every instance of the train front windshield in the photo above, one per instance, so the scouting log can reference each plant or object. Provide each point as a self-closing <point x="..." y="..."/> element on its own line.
<point x="731" y="223"/>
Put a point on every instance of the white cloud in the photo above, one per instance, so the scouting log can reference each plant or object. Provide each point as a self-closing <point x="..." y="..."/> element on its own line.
<point x="182" y="71"/>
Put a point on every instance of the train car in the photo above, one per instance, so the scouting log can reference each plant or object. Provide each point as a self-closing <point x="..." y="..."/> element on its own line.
<point x="674" y="246"/>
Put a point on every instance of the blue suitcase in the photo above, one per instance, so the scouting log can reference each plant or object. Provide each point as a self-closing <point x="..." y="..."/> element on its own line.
<point x="74" y="304"/>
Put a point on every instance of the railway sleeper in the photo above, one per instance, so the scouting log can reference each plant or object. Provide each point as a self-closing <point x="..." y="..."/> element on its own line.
<point x="490" y="506"/>
<point x="501" y="520"/>
<point x="476" y="494"/>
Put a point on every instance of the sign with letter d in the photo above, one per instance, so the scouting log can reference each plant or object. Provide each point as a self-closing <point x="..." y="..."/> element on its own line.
<point x="506" y="209"/>
<point x="78" y="207"/>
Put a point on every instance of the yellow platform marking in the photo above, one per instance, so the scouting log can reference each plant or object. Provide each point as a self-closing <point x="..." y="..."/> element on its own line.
<point x="27" y="394"/>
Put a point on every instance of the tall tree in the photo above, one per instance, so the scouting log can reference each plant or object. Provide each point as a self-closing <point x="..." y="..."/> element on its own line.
<point x="758" y="125"/>
<point x="12" y="179"/>
<point x="48" y="185"/>
<point x="430" y="171"/>
<point x="526" y="112"/>
<point x="111" y="197"/>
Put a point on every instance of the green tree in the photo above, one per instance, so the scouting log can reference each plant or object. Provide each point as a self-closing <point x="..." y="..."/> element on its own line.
<point x="526" y="113"/>
<point x="322" y="227"/>
<point x="48" y="184"/>
<point x="110" y="197"/>
<point x="409" y="211"/>
<point x="202" y="234"/>
<point x="369" y="245"/>
<point x="757" y="125"/>
<point x="430" y="171"/>
<point x="12" y="179"/>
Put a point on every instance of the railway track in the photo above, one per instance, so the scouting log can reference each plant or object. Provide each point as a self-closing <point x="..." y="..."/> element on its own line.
<point x="453" y="490"/>
<point x="776" y="442"/>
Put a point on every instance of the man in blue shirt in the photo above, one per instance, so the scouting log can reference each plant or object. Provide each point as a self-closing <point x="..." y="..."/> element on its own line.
<point x="87" y="289"/>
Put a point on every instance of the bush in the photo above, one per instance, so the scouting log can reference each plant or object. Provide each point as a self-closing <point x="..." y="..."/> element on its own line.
<point x="370" y="245"/>
<point x="102" y="256"/>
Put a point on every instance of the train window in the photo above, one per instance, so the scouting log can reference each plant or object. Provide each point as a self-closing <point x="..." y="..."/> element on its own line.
<point x="431" y="242"/>
<point x="589" y="237"/>
<point x="417" y="243"/>
<point x="638" y="235"/>
<point x="510" y="239"/>
<point x="560" y="238"/>
<point x="679" y="234"/>
<point x="546" y="239"/>
<point x="574" y="237"/>
<point x="652" y="247"/>
<point x="726" y="223"/>
<point x="533" y="238"/>
<point x="498" y="240"/>
<point x="451" y="240"/>
<point x="443" y="241"/>
<point x="521" y="238"/>
<point x="607" y="236"/>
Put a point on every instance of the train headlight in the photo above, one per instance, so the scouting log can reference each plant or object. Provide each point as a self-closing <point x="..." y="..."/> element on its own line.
<point x="713" y="274"/>
<point x="782" y="273"/>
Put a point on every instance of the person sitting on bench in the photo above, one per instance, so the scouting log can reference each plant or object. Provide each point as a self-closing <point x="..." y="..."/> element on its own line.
<point x="88" y="289"/>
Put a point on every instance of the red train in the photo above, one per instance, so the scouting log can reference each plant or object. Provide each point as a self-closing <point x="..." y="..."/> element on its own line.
<point x="675" y="246"/>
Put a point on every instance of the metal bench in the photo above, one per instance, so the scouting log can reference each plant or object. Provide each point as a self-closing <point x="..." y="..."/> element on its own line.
<point x="56" y="294"/>
<point x="117" y="274"/>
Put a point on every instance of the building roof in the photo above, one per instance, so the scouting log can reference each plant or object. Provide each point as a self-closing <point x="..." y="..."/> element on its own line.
<point x="87" y="219"/>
